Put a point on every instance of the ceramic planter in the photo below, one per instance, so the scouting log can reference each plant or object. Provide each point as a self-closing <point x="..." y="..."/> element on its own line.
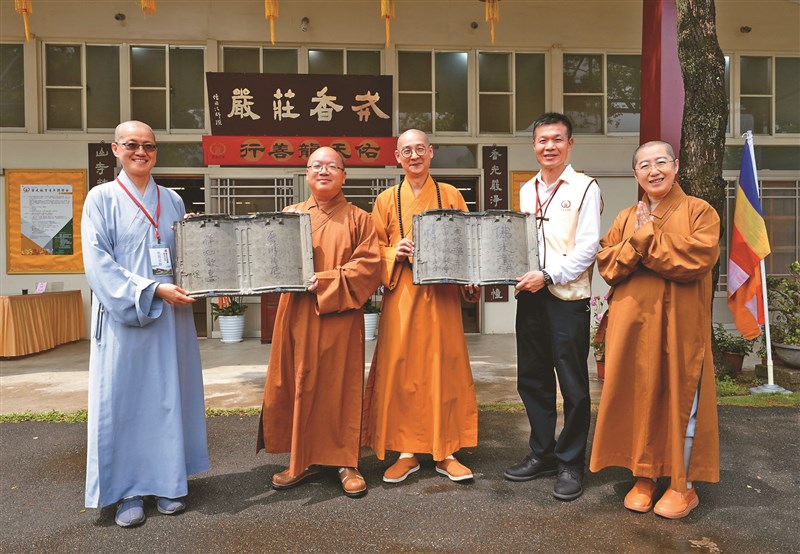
<point x="231" y="327"/>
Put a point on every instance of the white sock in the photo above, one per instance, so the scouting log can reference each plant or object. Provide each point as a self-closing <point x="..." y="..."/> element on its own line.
<point x="405" y="455"/>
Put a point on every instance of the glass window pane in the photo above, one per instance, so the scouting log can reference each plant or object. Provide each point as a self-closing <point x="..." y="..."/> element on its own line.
<point x="240" y="60"/>
<point x="149" y="106"/>
<point x="495" y="113"/>
<point x="329" y="62"/>
<point x="455" y="155"/>
<point x="787" y="95"/>
<point x="12" y="86"/>
<point x="451" y="91"/>
<point x="102" y="87"/>
<point x="180" y="154"/>
<point x="64" y="109"/>
<point x="583" y="73"/>
<point x="148" y="66"/>
<point x="279" y="60"/>
<point x="586" y="113"/>
<point x="623" y="93"/>
<point x="363" y="62"/>
<point x="414" y="71"/>
<point x="494" y="72"/>
<point x="187" y="95"/>
<point x="756" y="75"/>
<point x="755" y="115"/>
<point x="529" y="87"/>
<point x="414" y="112"/>
<point x="63" y="65"/>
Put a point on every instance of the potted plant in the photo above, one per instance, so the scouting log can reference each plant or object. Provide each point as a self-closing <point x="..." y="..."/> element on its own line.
<point x="783" y="295"/>
<point x="371" y="313"/>
<point x="733" y="347"/>
<point x="230" y="312"/>
<point x="598" y="341"/>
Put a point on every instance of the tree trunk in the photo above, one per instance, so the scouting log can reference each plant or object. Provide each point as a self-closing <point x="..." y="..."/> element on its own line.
<point x="705" y="111"/>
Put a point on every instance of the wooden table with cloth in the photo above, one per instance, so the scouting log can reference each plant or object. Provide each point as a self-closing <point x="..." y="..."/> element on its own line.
<point x="36" y="322"/>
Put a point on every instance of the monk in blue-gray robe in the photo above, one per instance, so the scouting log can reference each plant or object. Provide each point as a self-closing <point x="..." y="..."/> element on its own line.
<point x="146" y="429"/>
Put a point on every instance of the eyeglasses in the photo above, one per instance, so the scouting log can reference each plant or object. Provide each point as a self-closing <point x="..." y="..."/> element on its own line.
<point x="658" y="164"/>
<point x="419" y="150"/>
<point x="316" y="167"/>
<point x="134" y="146"/>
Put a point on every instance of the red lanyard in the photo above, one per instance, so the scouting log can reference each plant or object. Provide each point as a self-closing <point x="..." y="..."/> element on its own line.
<point x="542" y="207"/>
<point x="144" y="211"/>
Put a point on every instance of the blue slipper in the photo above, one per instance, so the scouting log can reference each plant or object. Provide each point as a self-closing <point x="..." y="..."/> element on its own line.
<point x="170" y="505"/>
<point x="130" y="512"/>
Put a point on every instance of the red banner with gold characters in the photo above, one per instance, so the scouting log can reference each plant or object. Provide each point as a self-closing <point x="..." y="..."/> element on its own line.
<point x="294" y="151"/>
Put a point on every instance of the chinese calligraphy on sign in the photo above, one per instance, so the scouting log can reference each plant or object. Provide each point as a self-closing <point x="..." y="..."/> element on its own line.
<point x="300" y="104"/>
<point x="495" y="197"/>
<point x="101" y="163"/>
<point x="294" y="151"/>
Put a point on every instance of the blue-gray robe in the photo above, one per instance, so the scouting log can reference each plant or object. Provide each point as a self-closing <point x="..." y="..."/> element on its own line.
<point x="147" y="430"/>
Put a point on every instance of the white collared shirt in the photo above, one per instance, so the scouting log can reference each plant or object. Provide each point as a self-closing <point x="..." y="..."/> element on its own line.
<point x="563" y="269"/>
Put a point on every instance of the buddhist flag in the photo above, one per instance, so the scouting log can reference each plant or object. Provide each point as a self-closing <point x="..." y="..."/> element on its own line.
<point x="749" y="245"/>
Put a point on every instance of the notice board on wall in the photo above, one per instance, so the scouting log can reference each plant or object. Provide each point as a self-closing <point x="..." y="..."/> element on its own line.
<point x="43" y="220"/>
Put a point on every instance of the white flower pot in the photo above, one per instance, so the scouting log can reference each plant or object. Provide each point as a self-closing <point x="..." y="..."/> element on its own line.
<point x="370" y="326"/>
<point x="231" y="327"/>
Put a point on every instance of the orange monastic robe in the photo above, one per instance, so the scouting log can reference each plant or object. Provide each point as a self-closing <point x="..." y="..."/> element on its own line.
<point x="315" y="379"/>
<point x="420" y="395"/>
<point x="658" y="342"/>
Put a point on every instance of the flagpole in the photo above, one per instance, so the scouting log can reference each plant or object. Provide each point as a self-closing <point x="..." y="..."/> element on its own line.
<point x="770" y="387"/>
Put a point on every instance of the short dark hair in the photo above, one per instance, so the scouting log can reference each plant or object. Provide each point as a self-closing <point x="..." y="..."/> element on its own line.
<point x="551" y="118"/>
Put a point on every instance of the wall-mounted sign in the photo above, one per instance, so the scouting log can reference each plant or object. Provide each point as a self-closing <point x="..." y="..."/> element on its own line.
<point x="101" y="163"/>
<point x="495" y="197"/>
<point x="43" y="230"/>
<point x="294" y="151"/>
<point x="265" y="104"/>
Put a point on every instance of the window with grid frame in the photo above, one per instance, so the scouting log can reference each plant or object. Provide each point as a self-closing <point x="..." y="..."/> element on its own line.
<point x="348" y="61"/>
<point x="511" y="91"/>
<point x="602" y="92"/>
<point x="81" y="86"/>
<point x="769" y="94"/>
<point x="167" y="86"/>
<point x="433" y="91"/>
<point x="780" y="204"/>
<point x="12" y="86"/>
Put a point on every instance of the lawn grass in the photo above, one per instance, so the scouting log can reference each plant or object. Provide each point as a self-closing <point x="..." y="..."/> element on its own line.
<point x="730" y="392"/>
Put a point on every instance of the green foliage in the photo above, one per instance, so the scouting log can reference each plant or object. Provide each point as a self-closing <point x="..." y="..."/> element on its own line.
<point x="228" y="305"/>
<point x="783" y="296"/>
<point x="733" y="344"/>
<point x="598" y="307"/>
<point x="371" y="307"/>
<point x="727" y="386"/>
<point x="53" y="416"/>
<point x="762" y="400"/>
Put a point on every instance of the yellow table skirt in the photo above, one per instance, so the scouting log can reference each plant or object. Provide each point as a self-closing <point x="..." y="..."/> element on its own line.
<point x="36" y="322"/>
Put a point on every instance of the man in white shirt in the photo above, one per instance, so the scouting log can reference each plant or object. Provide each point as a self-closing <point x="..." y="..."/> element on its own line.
<point x="552" y="322"/>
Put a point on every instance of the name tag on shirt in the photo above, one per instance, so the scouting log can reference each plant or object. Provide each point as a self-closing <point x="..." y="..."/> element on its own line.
<point x="160" y="260"/>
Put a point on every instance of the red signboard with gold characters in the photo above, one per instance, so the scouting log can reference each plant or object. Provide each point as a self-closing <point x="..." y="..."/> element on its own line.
<point x="294" y="151"/>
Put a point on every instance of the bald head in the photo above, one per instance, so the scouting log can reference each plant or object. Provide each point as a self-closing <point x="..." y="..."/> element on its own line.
<point x="412" y="136"/>
<point x="132" y="127"/>
<point x="325" y="152"/>
<point x="667" y="147"/>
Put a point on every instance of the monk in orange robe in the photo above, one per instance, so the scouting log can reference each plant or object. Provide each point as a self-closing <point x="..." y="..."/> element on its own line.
<point x="420" y="396"/>
<point x="315" y="378"/>
<point x="658" y="411"/>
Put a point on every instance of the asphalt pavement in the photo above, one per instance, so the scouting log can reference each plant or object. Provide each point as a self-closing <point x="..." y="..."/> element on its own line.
<point x="754" y="509"/>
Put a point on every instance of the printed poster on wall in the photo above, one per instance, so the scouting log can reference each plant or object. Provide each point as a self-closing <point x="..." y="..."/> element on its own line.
<point x="43" y="227"/>
<point x="45" y="219"/>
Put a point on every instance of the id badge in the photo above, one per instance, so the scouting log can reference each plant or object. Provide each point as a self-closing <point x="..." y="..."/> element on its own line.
<point x="160" y="261"/>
